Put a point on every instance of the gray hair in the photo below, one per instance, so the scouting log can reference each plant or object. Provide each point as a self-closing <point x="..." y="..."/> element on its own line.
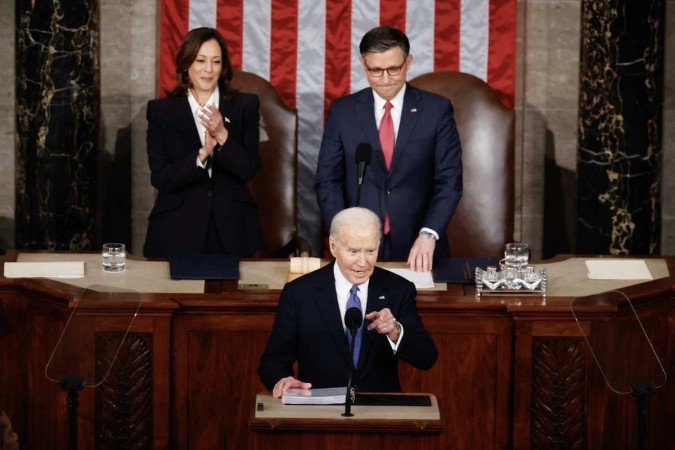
<point x="354" y="216"/>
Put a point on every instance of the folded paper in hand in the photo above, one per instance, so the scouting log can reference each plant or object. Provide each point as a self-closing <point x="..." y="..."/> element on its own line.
<point x="325" y="396"/>
<point x="54" y="269"/>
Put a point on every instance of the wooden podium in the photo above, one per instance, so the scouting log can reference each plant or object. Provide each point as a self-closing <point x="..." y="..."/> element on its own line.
<point x="513" y="371"/>
<point x="275" y="425"/>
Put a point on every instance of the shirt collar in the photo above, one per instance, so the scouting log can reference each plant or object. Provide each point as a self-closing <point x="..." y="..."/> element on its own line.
<point x="344" y="284"/>
<point x="214" y="99"/>
<point x="397" y="101"/>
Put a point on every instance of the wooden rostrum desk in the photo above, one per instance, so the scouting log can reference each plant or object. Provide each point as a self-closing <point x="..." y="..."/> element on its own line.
<point x="513" y="371"/>
<point x="382" y="427"/>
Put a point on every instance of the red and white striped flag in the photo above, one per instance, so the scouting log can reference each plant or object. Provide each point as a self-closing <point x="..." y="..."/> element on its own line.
<point x="308" y="49"/>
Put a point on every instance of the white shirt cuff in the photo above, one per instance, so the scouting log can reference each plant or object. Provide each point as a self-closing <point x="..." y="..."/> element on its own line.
<point x="429" y="230"/>
<point x="394" y="345"/>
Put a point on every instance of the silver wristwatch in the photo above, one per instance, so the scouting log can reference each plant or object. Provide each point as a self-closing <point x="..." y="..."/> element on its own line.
<point x="427" y="234"/>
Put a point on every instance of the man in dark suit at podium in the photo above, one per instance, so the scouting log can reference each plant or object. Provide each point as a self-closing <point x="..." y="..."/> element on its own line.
<point x="414" y="180"/>
<point x="309" y="326"/>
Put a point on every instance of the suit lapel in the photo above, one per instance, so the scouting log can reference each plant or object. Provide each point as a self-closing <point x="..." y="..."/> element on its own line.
<point x="325" y="299"/>
<point x="184" y="116"/>
<point x="377" y="299"/>
<point x="412" y="109"/>
<point x="227" y="111"/>
<point x="365" y="114"/>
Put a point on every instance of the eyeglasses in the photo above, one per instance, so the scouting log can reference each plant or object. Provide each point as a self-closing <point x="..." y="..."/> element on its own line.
<point x="391" y="71"/>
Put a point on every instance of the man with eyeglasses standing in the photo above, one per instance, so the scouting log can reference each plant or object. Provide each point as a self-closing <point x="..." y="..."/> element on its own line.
<point x="414" y="180"/>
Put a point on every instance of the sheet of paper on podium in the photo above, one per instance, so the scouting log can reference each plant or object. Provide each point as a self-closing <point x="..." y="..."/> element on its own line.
<point x="421" y="280"/>
<point x="618" y="269"/>
<point x="325" y="396"/>
<point x="60" y="269"/>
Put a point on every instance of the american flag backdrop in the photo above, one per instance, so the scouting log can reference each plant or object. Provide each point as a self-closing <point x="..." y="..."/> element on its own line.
<point x="308" y="49"/>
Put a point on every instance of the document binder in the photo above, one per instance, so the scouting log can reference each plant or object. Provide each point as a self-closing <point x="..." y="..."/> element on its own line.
<point x="204" y="267"/>
<point x="461" y="270"/>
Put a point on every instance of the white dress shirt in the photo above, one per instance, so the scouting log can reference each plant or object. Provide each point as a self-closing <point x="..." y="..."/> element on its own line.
<point x="342" y="288"/>
<point x="396" y="108"/>
<point x="196" y="109"/>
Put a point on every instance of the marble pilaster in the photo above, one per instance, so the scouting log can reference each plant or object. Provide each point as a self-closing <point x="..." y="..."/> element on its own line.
<point x="57" y="124"/>
<point x="620" y="127"/>
<point x="6" y="124"/>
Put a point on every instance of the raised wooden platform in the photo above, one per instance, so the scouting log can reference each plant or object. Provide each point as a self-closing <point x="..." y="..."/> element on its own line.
<point x="513" y="372"/>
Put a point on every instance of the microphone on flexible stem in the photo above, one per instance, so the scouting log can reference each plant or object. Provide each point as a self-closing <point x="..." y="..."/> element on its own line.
<point x="364" y="153"/>
<point x="353" y="320"/>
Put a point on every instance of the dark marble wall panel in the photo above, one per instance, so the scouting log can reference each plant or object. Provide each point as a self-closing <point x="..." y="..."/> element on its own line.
<point x="57" y="124"/>
<point x="620" y="126"/>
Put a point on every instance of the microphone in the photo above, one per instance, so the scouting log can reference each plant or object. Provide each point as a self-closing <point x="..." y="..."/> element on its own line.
<point x="353" y="320"/>
<point x="364" y="153"/>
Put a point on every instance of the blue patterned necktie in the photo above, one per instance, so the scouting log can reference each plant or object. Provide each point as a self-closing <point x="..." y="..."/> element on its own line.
<point x="354" y="302"/>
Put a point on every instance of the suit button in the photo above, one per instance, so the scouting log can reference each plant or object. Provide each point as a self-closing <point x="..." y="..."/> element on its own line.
<point x="388" y="192"/>
<point x="210" y="193"/>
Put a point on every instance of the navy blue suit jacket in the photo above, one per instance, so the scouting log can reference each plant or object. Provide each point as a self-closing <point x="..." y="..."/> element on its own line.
<point x="186" y="197"/>
<point x="308" y="329"/>
<point x="424" y="185"/>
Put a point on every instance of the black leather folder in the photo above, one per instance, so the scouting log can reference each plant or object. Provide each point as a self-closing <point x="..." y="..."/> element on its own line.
<point x="461" y="270"/>
<point x="392" y="400"/>
<point x="204" y="267"/>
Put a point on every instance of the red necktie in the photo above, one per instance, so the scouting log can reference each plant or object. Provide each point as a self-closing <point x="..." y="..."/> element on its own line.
<point x="387" y="135"/>
<point x="387" y="143"/>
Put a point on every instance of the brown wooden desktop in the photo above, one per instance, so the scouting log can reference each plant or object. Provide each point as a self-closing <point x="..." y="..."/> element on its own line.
<point x="196" y="356"/>
<point x="278" y="426"/>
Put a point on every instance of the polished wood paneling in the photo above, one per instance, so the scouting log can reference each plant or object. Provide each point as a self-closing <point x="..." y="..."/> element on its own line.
<point x="558" y="394"/>
<point x="124" y="399"/>
<point x="344" y="441"/>
<point x="470" y="378"/>
<point x="513" y="372"/>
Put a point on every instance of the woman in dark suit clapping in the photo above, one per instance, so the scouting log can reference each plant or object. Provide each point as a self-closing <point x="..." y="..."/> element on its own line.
<point x="202" y="149"/>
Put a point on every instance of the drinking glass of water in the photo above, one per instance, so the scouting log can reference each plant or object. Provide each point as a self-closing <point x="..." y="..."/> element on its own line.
<point x="516" y="255"/>
<point x="114" y="257"/>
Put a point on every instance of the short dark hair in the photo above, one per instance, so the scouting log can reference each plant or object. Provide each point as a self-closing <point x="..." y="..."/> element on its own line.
<point x="381" y="39"/>
<point x="187" y="53"/>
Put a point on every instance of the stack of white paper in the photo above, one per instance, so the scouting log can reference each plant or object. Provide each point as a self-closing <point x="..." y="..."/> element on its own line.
<point x="326" y="396"/>
<point x="65" y="269"/>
